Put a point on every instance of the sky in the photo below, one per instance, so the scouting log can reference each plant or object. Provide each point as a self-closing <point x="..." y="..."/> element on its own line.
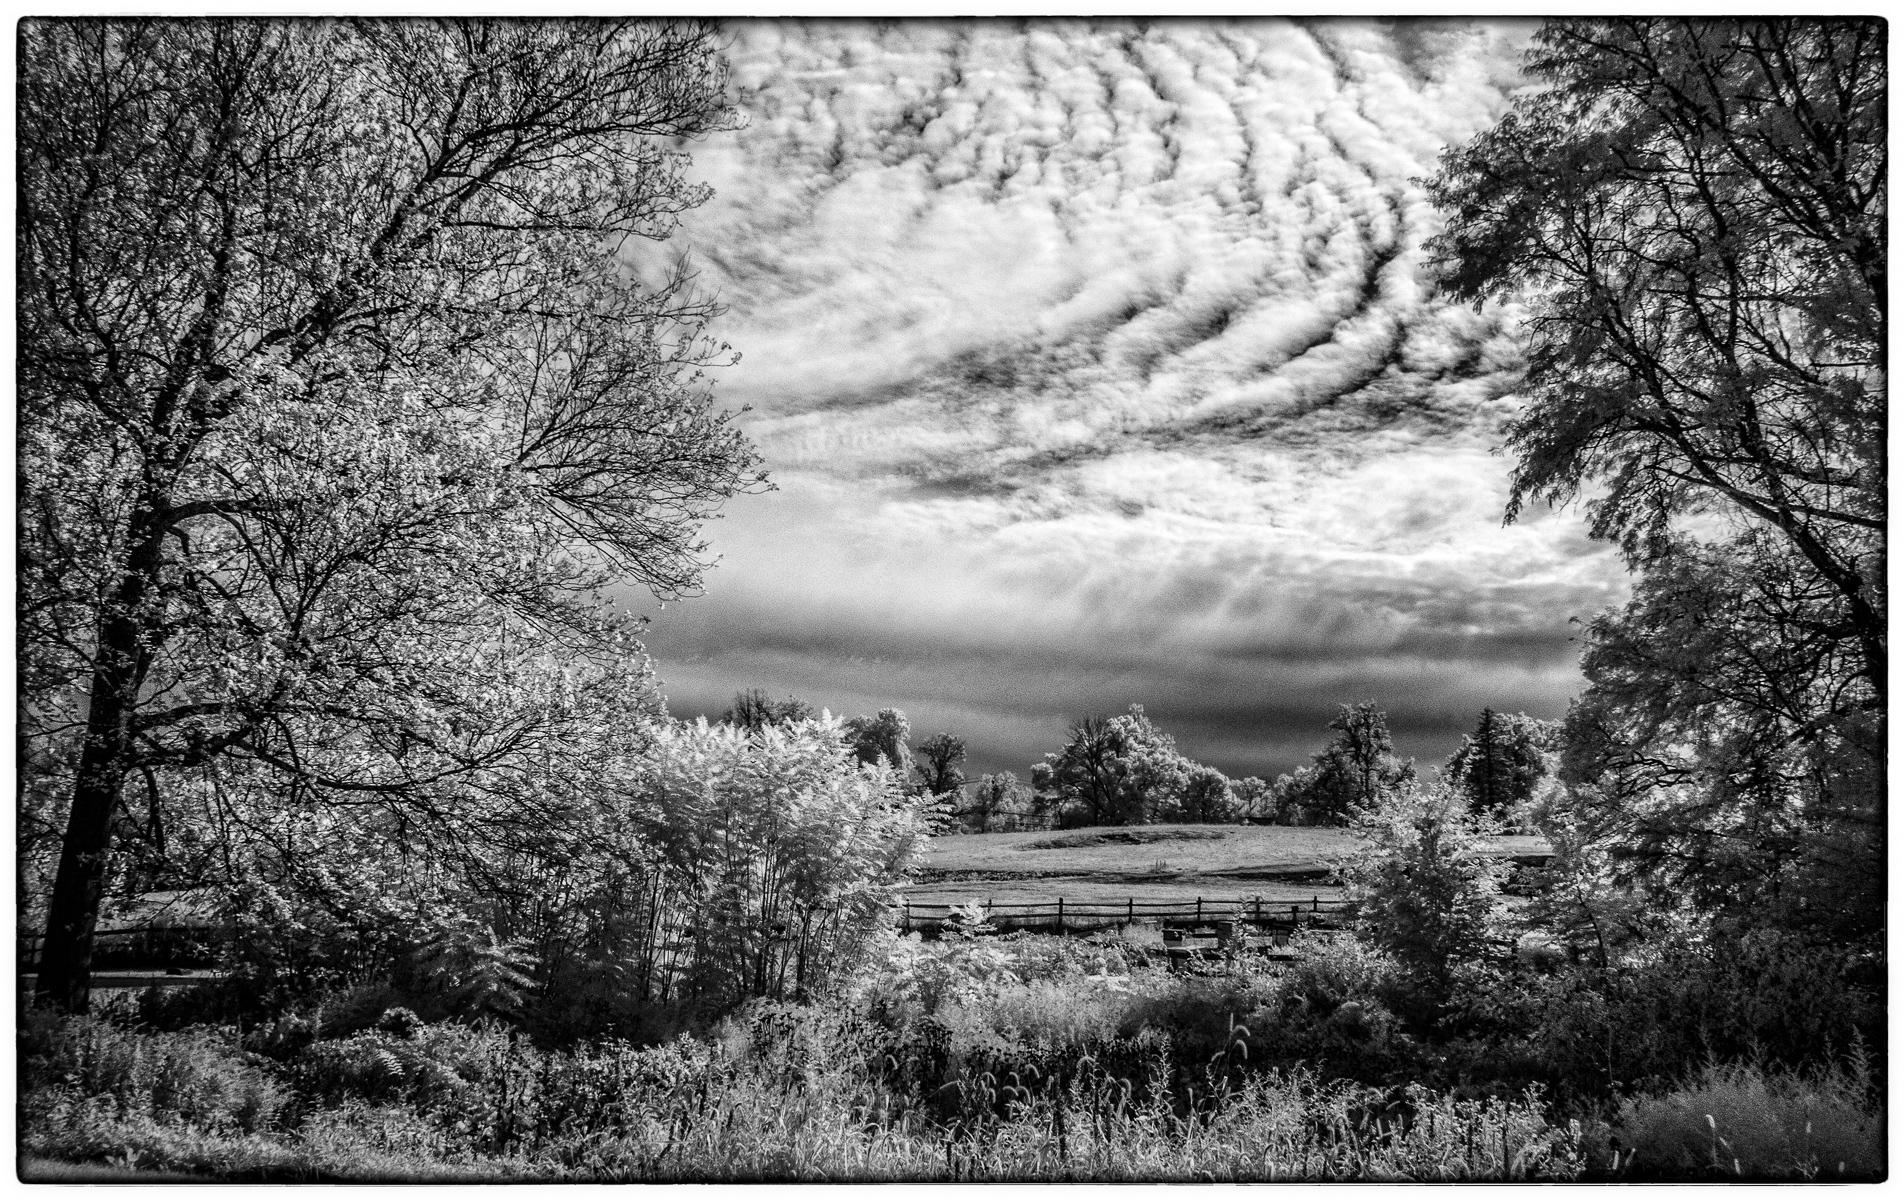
<point x="1094" y="365"/>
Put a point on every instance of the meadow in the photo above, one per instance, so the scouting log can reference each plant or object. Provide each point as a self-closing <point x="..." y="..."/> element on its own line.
<point x="1280" y="863"/>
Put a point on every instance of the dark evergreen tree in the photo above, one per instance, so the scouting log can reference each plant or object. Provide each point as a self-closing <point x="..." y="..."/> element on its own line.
<point x="1498" y="766"/>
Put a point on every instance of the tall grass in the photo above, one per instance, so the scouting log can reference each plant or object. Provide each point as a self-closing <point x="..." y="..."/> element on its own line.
<point x="1008" y="1058"/>
<point x="790" y="1095"/>
<point x="199" y="1073"/>
<point x="1740" y="1121"/>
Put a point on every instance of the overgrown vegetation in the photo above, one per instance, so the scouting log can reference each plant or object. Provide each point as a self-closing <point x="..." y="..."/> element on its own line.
<point x="336" y="417"/>
<point x="1444" y="1035"/>
<point x="973" y="1057"/>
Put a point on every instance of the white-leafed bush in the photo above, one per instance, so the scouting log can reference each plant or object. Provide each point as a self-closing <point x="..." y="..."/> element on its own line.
<point x="770" y="860"/>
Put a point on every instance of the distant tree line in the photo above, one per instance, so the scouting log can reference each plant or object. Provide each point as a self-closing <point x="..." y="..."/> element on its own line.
<point x="1126" y="770"/>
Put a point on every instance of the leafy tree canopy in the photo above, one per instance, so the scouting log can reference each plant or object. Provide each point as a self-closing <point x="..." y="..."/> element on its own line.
<point x="1423" y="887"/>
<point x="1356" y="770"/>
<point x="1498" y="766"/>
<point x="881" y="738"/>
<point x="1126" y="770"/>
<point x="938" y="762"/>
<point x="338" y="401"/>
<point x="1689" y="215"/>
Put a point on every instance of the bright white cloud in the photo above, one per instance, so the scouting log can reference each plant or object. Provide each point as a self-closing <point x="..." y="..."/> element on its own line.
<point x="1106" y="345"/>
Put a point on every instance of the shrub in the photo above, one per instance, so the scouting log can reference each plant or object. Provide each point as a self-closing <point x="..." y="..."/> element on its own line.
<point x="968" y="920"/>
<point x="1740" y="1121"/>
<point x="769" y="862"/>
<point x="1332" y="1007"/>
<point x="427" y="1066"/>
<point x="586" y="1001"/>
<point x="915" y="979"/>
<point x="1424" y="889"/>
<point x="1647" y="1021"/>
<point x="471" y="972"/>
<point x="198" y="1075"/>
<point x="331" y="923"/>
<point x="1329" y="968"/>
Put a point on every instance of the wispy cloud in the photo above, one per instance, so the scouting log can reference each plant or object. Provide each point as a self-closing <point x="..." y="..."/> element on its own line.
<point x="1095" y="366"/>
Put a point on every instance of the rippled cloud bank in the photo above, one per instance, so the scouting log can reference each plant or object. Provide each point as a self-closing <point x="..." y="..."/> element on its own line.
<point x="1095" y="365"/>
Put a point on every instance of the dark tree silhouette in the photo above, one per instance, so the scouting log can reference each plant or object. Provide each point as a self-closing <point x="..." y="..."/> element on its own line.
<point x="1498" y="766"/>
<point x="937" y="763"/>
<point x="1354" y="771"/>
<point x="881" y="738"/>
<point x="1087" y="774"/>
<point x="753" y="711"/>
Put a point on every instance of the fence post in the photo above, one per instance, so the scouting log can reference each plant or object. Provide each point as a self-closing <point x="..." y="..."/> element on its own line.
<point x="1315" y="902"/>
<point x="1199" y="910"/>
<point x="1060" y="914"/>
<point x="905" y="920"/>
<point x="1130" y="910"/>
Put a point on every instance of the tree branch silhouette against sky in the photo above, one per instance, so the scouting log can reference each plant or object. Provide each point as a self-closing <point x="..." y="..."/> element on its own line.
<point x="1096" y="365"/>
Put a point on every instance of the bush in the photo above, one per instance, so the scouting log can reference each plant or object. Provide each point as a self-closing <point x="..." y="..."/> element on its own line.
<point x="470" y="972"/>
<point x="780" y="856"/>
<point x="1740" y="1121"/>
<point x="1648" y="1021"/>
<point x="65" y="1127"/>
<point x="213" y="1002"/>
<point x="429" y="1066"/>
<point x="329" y="925"/>
<point x="914" y="978"/>
<point x="201" y="1076"/>
<point x="1425" y="890"/>
<point x="1329" y="968"/>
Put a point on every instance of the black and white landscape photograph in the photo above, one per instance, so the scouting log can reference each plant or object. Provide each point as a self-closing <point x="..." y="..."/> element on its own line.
<point x="1072" y="599"/>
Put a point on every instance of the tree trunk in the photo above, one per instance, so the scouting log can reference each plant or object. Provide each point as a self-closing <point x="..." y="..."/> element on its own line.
<point x="119" y="665"/>
<point x="66" y="956"/>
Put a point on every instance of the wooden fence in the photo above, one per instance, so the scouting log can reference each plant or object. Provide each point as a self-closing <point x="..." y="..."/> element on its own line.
<point x="1063" y="915"/>
<point x="137" y="946"/>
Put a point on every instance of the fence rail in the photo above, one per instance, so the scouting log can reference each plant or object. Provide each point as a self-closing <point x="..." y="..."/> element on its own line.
<point x="1065" y="914"/>
<point x="160" y="945"/>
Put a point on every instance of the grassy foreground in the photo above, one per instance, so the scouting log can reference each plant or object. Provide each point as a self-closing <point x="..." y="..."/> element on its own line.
<point x="1020" y="1058"/>
<point x="781" y="1096"/>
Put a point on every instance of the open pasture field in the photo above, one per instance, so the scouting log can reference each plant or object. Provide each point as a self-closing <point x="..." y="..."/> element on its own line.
<point x="1282" y="864"/>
